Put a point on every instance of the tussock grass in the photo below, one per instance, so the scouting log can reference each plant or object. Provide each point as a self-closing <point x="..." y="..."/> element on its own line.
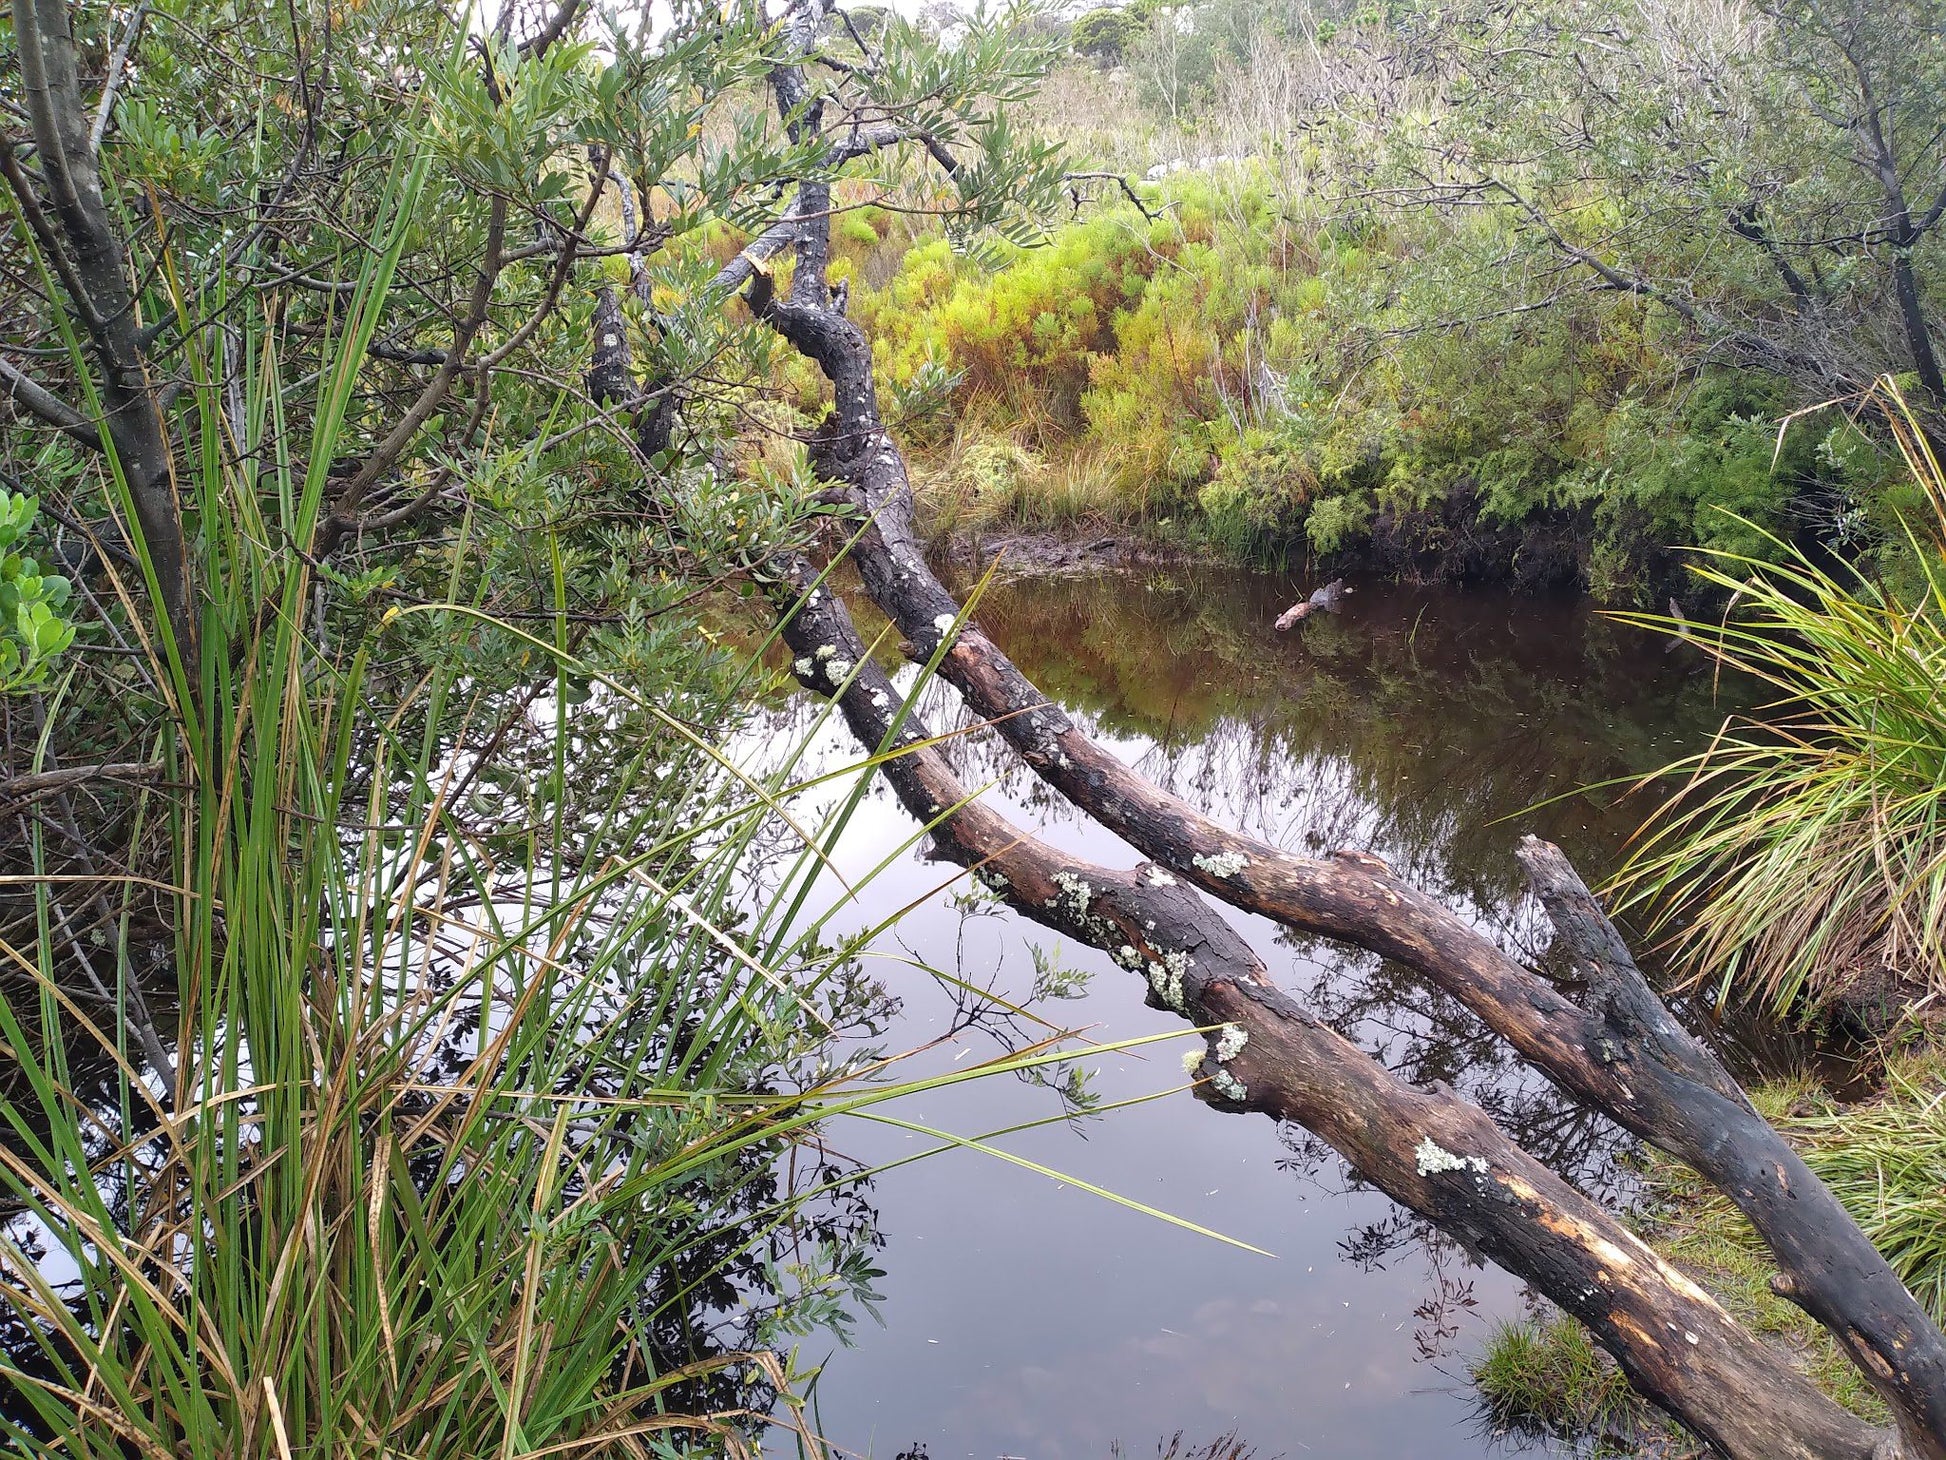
<point x="1804" y="854"/>
<point x="1547" y="1376"/>
<point x="986" y="480"/>
<point x="1886" y="1161"/>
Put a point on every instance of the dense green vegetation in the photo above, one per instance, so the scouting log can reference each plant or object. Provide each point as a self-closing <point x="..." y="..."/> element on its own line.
<point x="1224" y="368"/>
<point x="417" y="1041"/>
<point x="1409" y="292"/>
<point x="417" y="1035"/>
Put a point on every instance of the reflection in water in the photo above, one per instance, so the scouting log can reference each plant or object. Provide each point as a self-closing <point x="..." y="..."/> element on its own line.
<point x="1029" y="1319"/>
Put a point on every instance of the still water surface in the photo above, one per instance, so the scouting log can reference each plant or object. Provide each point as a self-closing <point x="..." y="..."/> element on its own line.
<point x="1026" y="1317"/>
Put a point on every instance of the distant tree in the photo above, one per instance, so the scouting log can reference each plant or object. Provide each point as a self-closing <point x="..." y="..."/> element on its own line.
<point x="1773" y="177"/>
<point x="1105" y="33"/>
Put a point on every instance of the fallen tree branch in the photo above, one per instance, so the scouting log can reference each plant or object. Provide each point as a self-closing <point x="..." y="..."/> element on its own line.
<point x="1622" y="1053"/>
<point x="1429" y="1149"/>
<point x="42" y="783"/>
<point x="1645" y="1072"/>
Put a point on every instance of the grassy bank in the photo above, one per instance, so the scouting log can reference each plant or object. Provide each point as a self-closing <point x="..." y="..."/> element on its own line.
<point x="1885" y="1158"/>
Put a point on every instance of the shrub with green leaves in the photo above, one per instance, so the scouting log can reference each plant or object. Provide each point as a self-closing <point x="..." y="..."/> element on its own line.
<point x="34" y="632"/>
<point x="1263" y="367"/>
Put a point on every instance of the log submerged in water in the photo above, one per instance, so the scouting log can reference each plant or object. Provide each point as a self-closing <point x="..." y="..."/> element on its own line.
<point x="1623" y="1053"/>
<point x="1429" y="1150"/>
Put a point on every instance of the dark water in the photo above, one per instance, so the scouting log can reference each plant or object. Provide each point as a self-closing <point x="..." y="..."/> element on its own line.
<point x="1025" y="1316"/>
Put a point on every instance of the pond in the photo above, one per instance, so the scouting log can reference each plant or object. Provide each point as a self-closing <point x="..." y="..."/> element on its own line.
<point x="1024" y="1316"/>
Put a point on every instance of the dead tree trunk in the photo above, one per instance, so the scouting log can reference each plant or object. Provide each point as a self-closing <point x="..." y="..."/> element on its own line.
<point x="1427" y="1149"/>
<point x="1620" y="1052"/>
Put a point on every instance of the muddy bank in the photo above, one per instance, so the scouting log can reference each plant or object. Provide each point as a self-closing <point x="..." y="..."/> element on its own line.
<point x="1446" y="544"/>
<point x="1450" y="544"/>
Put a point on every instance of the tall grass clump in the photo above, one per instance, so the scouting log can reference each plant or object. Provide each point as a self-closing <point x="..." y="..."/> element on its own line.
<point x="448" y="1073"/>
<point x="1545" y="1376"/>
<point x="415" y="1074"/>
<point x="1804" y="854"/>
<point x="1886" y="1161"/>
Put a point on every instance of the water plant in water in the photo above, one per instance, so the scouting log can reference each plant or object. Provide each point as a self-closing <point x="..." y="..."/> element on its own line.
<point x="1547" y="1376"/>
<point x="1803" y="854"/>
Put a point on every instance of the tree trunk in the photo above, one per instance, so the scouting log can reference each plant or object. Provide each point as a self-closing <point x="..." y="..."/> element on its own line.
<point x="89" y="258"/>
<point x="1913" y="314"/>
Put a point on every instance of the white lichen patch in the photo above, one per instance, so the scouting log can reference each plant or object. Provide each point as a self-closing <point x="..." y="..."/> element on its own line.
<point x="838" y="670"/>
<point x="1229" y="1086"/>
<point x="1223" y="864"/>
<point x="1192" y="1061"/>
<point x="1230" y="1043"/>
<point x="1075" y="893"/>
<point x="1160" y="878"/>
<point x="1166" y="976"/>
<point x="1129" y="956"/>
<point x="806" y="668"/>
<point x="943" y="625"/>
<point x="827" y="651"/>
<point x="1434" y="1158"/>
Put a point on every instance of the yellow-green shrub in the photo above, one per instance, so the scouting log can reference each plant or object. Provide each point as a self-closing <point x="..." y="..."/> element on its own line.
<point x="1271" y="375"/>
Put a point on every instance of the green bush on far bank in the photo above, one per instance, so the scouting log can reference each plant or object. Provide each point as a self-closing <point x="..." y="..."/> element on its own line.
<point x="1279" y="380"/>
